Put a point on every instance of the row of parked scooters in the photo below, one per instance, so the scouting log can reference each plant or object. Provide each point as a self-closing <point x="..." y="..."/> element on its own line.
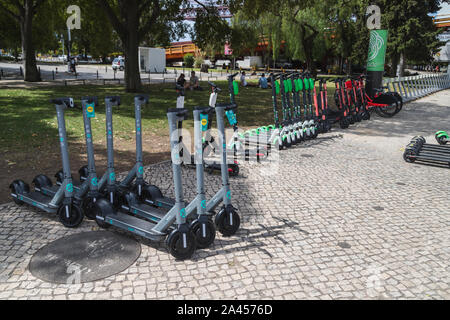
<point x="306" y="112"/>
<point x="419" y="150"/>
<point x="132" y="204"/>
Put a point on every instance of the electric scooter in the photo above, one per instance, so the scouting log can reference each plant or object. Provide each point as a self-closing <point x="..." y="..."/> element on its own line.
<point x="209" y="143"/>
<point x="88" y="191"/>
<point x="227" y="219"/>
<point x="149" y="222"/>
<point x="62" y="203"/>
<point x="183" y="239"/>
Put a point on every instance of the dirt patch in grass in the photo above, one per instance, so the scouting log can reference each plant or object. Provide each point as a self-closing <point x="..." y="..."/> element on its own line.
<point x="47" y="160"/>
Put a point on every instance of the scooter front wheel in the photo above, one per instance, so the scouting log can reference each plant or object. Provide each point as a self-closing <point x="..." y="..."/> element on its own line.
<point x="205" y="233"/>
<point x="70" y="216"/>
<point x="228" y="222"/>
<point x="181" y="245"/>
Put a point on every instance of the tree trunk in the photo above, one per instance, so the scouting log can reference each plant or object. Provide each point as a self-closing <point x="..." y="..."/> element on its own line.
<point x="401" y="66"/>
<point x="31" y="72"/>
<point x="132" y="72"/>
<point x="395" y="60"/>
<point x="349" y="67"/>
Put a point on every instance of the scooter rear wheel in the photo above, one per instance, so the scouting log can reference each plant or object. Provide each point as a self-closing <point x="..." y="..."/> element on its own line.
<point x="101" y="209"/>
<point x="88" y="206"/>
<point x="19" y="187"/>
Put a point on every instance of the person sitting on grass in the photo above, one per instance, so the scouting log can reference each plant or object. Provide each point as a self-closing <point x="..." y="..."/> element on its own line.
<point x="182" y="81"/>
<point x="194" y="83"/>
<point x="243" y="81"/>
<point x="263" y="83"/>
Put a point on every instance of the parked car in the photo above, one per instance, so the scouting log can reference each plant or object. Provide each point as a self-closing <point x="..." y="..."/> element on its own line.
<point x="118" y="63"/>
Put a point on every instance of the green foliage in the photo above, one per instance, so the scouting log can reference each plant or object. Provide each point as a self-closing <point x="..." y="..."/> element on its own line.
<point x="245" y="34"/>
<point x="210" y="32"/>
<point x="9" y="33"/>
<point x="411" y="29"/>
<point x="189" y="60"/>
<point x="198" y="61"/>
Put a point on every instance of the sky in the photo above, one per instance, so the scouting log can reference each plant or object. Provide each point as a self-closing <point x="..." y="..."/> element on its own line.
<point x="445" y="9"/>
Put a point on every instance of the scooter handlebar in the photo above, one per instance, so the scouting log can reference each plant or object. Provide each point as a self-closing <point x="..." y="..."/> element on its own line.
<point x="114" y="99"/>
<point x="214" y="86"/>
<point x="68" y="102"/>
<point x="143" y="97"/>
<point x="91" y="100"/>
<point x="204" y="110"/>
<point x="228" y="106"/>
<point x="181" y="112"/>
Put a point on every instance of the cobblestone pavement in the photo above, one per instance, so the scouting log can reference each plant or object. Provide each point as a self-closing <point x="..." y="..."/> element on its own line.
<point x="343" y="217"/>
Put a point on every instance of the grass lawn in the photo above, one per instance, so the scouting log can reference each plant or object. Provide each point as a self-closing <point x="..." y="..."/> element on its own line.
<point x="29" y="119"/>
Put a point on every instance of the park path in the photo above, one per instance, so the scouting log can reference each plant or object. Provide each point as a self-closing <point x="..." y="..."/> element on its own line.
<point x="342" y="217"/>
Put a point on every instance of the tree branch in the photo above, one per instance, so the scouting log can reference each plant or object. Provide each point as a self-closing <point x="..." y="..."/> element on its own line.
<point x="9" y="12"/>
<point x="142" y="7"/>
<point x="149" y="24"/>
<point x="118" y="26"/>
<point x="37" y="4"/>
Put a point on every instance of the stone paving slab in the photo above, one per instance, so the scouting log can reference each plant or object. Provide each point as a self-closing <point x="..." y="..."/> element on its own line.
<point x="342" y="217"/>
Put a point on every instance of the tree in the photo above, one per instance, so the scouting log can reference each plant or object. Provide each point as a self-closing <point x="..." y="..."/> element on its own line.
<point x="412" y="33"/>
<point x="24" y="13"/>
<point x="96" y="35"/>
<point x="210" y="32"/>
<point x="133" y="21"/>
<point x="245" y="34"/>
<point x="10" y="35"/>
<point x="302" y="27"/>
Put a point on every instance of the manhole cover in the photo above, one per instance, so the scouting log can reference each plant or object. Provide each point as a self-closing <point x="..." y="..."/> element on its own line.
<point x="378" y="208"/>
<point x="307" y="156"/>
<point x="84" y="257"/>
<point x="401" y="184"/>
<point x="344" y="245"/>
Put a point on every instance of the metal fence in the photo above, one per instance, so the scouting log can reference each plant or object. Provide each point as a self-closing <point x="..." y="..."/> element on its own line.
<point x="411" y="88"/>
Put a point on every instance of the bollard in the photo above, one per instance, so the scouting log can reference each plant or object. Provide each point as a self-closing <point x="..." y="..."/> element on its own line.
<point x="21" y="71"/>
<point x="97" y="74"/>
<point x="53" y="75"/>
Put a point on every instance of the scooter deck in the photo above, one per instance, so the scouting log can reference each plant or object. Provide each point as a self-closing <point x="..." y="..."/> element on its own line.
<point x="163" y="202"/>
<point x="37" y="199"/>
<point x="135" y="225"/>
<point x="48" y="191"/>
<point x="145" y="211"/>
